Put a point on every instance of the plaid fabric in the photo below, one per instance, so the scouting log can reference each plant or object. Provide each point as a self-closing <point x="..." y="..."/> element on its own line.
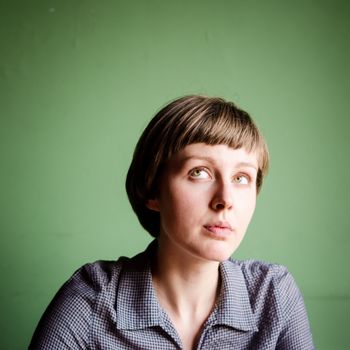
<point x="113" y="305"/>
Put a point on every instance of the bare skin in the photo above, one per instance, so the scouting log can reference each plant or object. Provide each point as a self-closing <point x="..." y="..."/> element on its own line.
<point x="187" y="290"/>
<point x="206" y="199"/>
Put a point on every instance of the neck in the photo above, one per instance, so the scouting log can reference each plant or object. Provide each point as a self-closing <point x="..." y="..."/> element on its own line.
<point x="186" y="286"/>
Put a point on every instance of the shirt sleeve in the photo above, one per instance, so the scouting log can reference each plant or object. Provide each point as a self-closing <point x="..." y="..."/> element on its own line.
<point x="66" y="321"/>
<point x="296" y="332"/>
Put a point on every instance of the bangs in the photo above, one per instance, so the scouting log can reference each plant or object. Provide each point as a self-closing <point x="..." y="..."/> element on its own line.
<point x="218" y="124"/>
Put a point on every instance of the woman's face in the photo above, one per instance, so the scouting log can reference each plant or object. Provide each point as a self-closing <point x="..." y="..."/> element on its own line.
<point x="206" y="200"/>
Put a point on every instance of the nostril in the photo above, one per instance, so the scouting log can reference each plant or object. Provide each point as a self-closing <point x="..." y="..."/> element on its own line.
<point x="220" y="206"/>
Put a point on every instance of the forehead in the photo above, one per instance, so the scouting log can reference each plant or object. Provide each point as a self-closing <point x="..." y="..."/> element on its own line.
<point x="220" y="154"/>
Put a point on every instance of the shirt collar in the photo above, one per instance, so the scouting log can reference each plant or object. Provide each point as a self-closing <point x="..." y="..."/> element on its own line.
<point x="233" y="308"/>
<point x="140" y="307"/>
<point x="137" y="306"/>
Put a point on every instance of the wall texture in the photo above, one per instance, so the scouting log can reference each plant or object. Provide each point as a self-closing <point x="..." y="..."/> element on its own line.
<point x="79" y="79"/>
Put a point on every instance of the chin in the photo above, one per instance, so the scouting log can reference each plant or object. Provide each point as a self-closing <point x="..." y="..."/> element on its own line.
<point x="218" y="255"/>
<point x="220" y="250"/>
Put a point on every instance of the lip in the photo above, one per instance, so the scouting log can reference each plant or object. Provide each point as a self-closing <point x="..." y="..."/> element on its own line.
<point x="219" y="230"/>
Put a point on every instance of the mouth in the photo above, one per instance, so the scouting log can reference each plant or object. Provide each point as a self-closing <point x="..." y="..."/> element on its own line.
<point x="219" y="230"/>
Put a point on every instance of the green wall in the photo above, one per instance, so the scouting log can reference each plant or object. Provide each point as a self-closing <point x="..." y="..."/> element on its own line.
<point x="80" y="79"/>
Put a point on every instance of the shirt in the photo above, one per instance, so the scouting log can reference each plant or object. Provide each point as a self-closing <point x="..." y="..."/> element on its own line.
<point x="110" y="305"/>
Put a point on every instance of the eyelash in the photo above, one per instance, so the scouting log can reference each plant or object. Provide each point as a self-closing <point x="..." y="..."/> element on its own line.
<point x="191" y="173"/>
<point x="242" y="176"/>
<point x="235" y="177"/>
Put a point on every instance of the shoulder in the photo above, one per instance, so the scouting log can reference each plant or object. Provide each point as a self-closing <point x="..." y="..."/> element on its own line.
<point x="258" y="273"/>
<point x="101" y="277"/>
<point x="269" y="285"/>
<point x="254" y="268"/>
<point x="93" y="277"/>
<point x="72" y="309"/>
<point x="277" y="303"/>
<point x="86" y="301"/>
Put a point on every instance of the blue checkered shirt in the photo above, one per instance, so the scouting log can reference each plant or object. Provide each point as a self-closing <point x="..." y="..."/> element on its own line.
<point x="113" y="305"/>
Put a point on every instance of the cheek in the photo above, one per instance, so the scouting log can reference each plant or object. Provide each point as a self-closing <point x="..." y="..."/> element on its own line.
<point x="171" y="204"/>
<point x="181" y="197"/>
<point x="180" y="208"/>
<point x="248" y="207"/>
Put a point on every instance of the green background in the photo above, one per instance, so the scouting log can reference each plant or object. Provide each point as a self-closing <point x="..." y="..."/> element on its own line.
<point x="80" y="79"/>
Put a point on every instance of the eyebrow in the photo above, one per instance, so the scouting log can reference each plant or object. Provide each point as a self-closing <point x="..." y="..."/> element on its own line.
<point x="247" y="164"/>
<point x="209" y="159"/>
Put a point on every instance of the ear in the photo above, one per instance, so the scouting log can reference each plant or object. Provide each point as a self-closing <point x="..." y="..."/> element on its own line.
<point x="152" y="204"/>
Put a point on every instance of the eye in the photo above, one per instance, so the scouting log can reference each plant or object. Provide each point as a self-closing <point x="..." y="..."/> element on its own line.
<point x="241" y="179"/>
<point x="199" y="173"/>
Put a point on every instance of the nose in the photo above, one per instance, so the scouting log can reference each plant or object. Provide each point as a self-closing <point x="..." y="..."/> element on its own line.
<point x="223" y="197"/>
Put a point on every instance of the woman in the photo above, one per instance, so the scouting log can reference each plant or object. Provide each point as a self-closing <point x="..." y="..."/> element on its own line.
<point x="192" y="183"/>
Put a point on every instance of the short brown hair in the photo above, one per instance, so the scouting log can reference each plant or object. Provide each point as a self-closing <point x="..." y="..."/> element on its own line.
<point x="187" y="120"/>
